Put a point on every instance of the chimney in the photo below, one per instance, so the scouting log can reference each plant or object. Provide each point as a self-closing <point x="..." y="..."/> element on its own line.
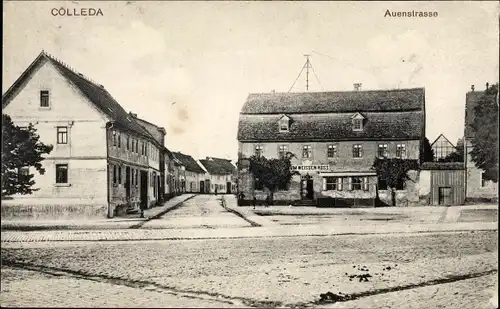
<point x="273" y="91"/>
<point x="487" y="86"/>
<point x="472" y="88"/>
<point x="357" y="86"/>
<point x="133" y="115"/>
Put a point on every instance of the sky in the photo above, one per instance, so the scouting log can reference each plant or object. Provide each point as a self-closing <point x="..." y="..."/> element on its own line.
<point x="189" y="66"/>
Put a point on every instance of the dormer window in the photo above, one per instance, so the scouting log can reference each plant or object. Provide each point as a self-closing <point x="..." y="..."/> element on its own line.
<point x="284" y="124"/>
<point x="357" y="122"/>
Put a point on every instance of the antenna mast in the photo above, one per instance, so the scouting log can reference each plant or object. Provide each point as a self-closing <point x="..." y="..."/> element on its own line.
<point x="306" y="66"/>
<point x="307" y="71"/>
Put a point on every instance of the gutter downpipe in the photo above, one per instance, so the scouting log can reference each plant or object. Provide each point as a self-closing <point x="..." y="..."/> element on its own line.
<point x="109" y="126"/>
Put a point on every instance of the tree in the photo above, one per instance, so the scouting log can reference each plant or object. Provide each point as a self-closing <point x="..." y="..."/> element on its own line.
<point x="485" y="141"/>
<point x="457" y="155"/>
<point x="394" y="173"/>
<point x="273" y="174"/>
<point x="21" y="148"/>
<point x="428" y="152"/>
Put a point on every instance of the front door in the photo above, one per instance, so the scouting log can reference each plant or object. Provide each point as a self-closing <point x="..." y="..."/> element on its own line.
<point x="144" y="189"/>
<point x="310" y="189"/>
<point x="127" y="183"/>
<point x="228" y="187"/>
<point x="444" y="196"/>
<point x="202" y="186"/>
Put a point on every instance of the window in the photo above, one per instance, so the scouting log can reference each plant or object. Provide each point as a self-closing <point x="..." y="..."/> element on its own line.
<point x="61" y="173"/>
<point x="114" y="138"/>
<point x="115" y="174"/>
<point x="401" y="151"/>
<point x="284" y="125"/>
<point x="136" y="177"/>
<point x="44" y="98"/>
<point x="334" y="183"/>
<point x="62" y="135"/>
<point x="366" y="184"/>
<point x="382" y="184"/>
<point x="282" y="151"/>
<point x="332" y="151"/>
<point x="146" y="153"/>
<point x="119" y="140"/>
<point x="356" y="183"/>
<point x="382" y="151"/>
<point x="128" y="142"/>
<point x="306" y="151"/>
<point x="132" y="174"/>
<point x="357" y="124"/>
<point x="483" y="181"/>
<point x="357" y="151"/>
<point x="258" y="150"/>
<point x="119" y="174"/>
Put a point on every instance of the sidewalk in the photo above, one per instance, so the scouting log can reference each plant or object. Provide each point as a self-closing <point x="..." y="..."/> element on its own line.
<point x="230" y="233"/>
<point x="247" y="212"/>
<point x="114" y="223"/>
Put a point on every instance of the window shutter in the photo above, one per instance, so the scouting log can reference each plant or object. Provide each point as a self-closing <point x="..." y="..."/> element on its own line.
<point x="349" y="186"/>
<point x="324" y="183"/>
<point x="339" y="186"/>
<point x="365" y="184"/>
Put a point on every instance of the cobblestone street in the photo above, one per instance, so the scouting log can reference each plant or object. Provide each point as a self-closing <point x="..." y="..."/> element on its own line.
<point x="286" y="271"/>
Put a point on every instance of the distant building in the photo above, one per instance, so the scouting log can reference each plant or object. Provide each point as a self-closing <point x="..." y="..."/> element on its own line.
<point x="442" y="147"/>
<point x="175" y="180"/>
<point x="221" y="175"/>
<point x="477" y="188"/>
<point x="102" y="160"/>
<point x="194" y="174"/>
<point x="335" y="137"/>
<point x="156" y="166"/>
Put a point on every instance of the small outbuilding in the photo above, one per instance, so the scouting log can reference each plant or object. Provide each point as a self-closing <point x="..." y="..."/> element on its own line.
<point x="442" y="183"/>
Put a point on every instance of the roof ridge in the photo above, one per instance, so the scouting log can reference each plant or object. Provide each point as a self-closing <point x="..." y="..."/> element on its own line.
<point x="73" y="70"/>
<point x="338" y="91"/>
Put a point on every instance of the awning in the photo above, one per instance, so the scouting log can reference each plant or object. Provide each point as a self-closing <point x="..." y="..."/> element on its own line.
<point x="340" y="174"/>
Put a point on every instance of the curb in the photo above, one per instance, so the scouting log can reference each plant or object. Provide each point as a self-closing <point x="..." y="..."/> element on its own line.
<point x="140" y="224"/>
<point x="234" y="211"/>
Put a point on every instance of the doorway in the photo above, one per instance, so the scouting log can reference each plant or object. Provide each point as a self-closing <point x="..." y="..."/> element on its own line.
<point x="127" y="183"/>
<point x="310" y="189"/>
<point x="202" y="186"/>
<point x="228" y="187"/>
<point x="445" y="196"/>
<point x="144" y="189"/>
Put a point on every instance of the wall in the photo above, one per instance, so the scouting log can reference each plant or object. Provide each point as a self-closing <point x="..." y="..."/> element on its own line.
<point x="85" y="152"/>
<point x="344" y="160"/>
<point x="476" y="189"/>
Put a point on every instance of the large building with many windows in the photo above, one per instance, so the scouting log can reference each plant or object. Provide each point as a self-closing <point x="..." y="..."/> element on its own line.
<point x="334" y="137"/>
<point x="103" y="161"/>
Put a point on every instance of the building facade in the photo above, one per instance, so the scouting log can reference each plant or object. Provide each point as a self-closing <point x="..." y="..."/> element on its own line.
<point x="334" y="137"/>
<point x="442" y="148"/>
<point x="220" y="175"/>
<point x="102" y="157"/>
<point x="477" y="188"/>
<point x="174" y="175"/>
<point x="156" y="157"/>
<point x="193" y="173"/>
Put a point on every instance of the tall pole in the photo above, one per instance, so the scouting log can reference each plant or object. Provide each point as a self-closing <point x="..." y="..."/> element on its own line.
<point x="307" y="72"/>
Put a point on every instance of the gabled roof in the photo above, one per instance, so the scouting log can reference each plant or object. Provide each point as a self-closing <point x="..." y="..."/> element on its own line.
<point x="335" y="102"/>
<point x="188" y="161"/>
<point x="95" y="93"/>
<point x="218" y="166"/>
<point x="388" y="114"/>
<point x="441" y="136"/>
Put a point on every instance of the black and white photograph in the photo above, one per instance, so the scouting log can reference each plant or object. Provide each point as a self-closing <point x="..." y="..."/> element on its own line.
<point x="250" y="154"/>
